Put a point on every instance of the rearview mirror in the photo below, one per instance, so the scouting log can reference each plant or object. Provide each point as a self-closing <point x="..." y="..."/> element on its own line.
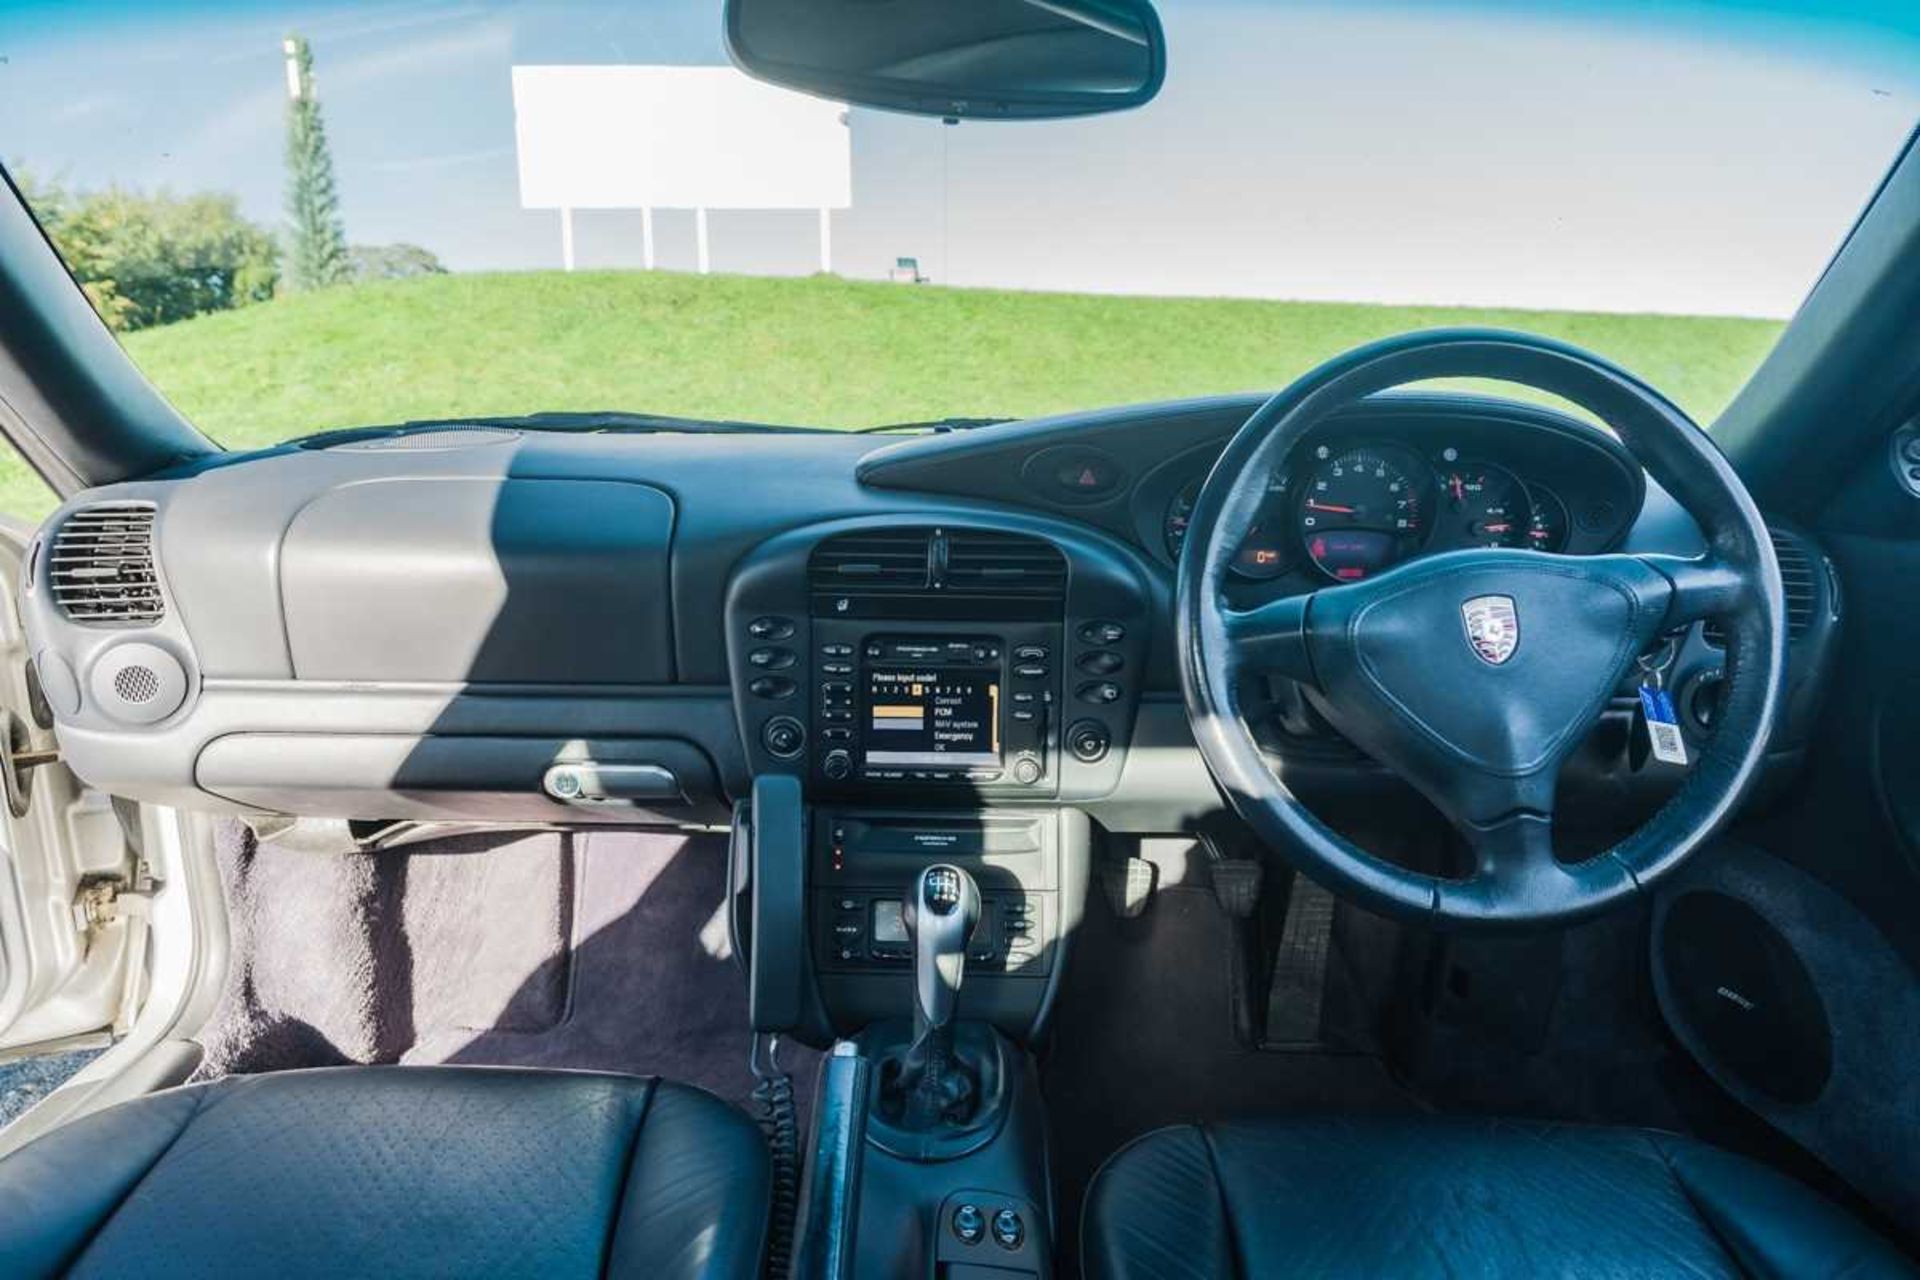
<point x="966" y="59"/>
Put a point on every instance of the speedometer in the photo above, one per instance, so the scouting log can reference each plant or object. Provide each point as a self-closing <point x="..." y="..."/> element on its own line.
<point x="1363" y="510"/>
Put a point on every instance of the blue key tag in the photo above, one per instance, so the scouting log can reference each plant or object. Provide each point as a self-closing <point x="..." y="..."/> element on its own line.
<point x="1663" y="726"/>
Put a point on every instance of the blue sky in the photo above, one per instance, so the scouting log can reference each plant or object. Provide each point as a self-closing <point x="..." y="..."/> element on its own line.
<point x="1559" y="153"/>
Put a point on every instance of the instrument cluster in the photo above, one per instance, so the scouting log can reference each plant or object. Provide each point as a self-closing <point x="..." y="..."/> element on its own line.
<point x="1343" y="509"/>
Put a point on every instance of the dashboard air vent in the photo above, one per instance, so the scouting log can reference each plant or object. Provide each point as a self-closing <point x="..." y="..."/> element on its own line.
<point x="1003" y="564"/>
<point x="101" y="569"/>
<point x="1798" y="582"/>
<point x="875" y="560"/>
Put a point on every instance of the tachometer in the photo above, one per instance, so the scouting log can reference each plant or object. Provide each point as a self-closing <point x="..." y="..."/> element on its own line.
<point x="1363" y="510"/>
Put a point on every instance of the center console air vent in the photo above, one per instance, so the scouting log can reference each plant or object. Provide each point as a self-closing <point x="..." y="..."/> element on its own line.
<point x="1799" y="582"/>
<point x="875" y="560"/>
<point x="100" y="567"/>
<point x="1002" y="564"/>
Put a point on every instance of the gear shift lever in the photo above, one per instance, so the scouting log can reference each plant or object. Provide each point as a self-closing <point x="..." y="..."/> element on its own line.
<point x="940" y="918"/>
<point x="940" y="915"/>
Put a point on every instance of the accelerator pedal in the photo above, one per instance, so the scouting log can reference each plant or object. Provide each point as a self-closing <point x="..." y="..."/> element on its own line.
<point x="1300" y="968"/>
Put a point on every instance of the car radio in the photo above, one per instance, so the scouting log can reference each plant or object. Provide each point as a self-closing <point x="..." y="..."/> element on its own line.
<point x="941" y="707"/>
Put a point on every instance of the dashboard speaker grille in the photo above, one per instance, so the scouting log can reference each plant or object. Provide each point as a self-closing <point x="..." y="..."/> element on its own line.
<point x="100" y="567"/>
<point x="136" y="684"/>
<point x="1798" y="582"/>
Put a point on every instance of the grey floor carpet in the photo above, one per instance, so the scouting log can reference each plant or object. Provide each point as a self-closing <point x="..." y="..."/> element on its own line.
<point x="602" y="951"/>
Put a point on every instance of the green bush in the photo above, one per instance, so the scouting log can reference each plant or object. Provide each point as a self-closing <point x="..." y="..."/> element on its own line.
<point x="152" y="259"/>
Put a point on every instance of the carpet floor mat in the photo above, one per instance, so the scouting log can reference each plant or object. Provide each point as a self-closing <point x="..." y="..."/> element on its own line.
<point x="604" y="950"/>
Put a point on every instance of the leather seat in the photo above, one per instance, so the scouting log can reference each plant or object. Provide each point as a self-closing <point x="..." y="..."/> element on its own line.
<point x="1427" y="1197"/>
<point x="394" y="1171"/>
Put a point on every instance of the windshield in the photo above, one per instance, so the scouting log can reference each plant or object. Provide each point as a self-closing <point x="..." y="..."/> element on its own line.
<point x="308" y="217"/>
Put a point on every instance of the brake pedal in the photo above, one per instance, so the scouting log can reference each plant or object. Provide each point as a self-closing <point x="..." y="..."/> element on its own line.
<point x="1236" y="886"/>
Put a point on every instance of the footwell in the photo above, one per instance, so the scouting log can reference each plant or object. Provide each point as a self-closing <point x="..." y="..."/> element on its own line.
<point x="601" y="950"/>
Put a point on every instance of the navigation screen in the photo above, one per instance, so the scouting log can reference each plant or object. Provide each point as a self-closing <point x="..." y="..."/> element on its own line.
<point x="932" y="718"/>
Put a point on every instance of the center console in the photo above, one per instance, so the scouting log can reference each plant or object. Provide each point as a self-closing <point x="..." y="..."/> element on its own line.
<point x="946" y="706"/>
<point x="955" y="666"/>
<point x="931" y="704"/>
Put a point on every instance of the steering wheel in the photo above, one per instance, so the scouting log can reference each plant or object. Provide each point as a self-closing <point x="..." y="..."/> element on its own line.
<point x="1409" y="668"/>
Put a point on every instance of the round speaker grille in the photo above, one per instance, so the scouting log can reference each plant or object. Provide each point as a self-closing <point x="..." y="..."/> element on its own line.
<point x="1745" y="996"/>
<point x="136" y="684"/>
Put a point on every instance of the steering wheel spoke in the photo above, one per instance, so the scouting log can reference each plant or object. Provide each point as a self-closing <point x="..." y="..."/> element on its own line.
<point x="1271" y="638"/>
<point x="1707" y="587"/>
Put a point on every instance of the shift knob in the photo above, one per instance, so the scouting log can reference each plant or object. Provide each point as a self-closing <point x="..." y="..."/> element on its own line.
<point x="940" y="916"/>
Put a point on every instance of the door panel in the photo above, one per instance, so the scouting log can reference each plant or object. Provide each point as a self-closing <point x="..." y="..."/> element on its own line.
<point x="72" y="931"/>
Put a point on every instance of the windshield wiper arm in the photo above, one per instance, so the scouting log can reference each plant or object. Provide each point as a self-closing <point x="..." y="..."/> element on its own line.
<point x="936" y="426"/>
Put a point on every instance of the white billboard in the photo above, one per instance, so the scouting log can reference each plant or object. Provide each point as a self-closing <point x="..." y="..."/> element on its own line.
<point x="675" y="138"/>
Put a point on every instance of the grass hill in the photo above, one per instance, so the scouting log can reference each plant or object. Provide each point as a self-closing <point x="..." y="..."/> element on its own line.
<point x="820" y="351"/>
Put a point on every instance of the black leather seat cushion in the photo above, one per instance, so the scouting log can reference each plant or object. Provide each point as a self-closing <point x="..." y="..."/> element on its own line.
<point x="390" y="1172"/>
<point x="1425" y="1197"/>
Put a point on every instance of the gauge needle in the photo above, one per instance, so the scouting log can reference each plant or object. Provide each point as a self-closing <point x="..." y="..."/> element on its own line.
<point x="1317" y="505"/>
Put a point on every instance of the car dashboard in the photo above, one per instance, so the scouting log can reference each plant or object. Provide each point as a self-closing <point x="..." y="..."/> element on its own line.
<point x="494" y="625"/>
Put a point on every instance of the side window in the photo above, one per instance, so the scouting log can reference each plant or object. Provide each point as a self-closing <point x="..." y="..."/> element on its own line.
<point x="25" y="499"/>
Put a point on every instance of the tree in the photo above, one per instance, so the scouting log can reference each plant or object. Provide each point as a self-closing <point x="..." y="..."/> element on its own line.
<point x="317" y="247"/>
<point x="146" y="259"/>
